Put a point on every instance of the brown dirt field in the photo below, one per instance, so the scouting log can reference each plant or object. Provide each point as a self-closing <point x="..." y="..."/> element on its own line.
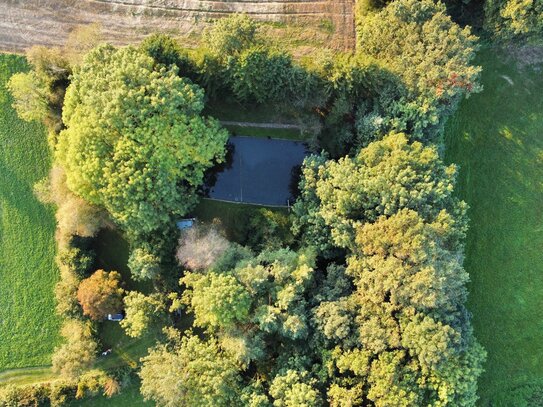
<point x="304" y="23"/>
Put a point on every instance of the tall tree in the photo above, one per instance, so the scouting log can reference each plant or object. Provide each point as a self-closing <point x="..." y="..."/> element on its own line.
<point x="135" y="142"/>
<point x="100" y="294"/>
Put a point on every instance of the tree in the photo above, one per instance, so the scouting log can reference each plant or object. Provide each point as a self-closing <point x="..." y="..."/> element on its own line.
<point x="201" y="247"/>
<point x="78" y="352"/>
<point x="166" y="51"/>
<point x="294" y="389"/>
<point x="514" y="18"/>
<point x="383" y="178"/>
<point x="140" y="310"/>
<point x="135" y="143"/>
<point x="419" y="42"/>
<point x="262" y="75"/>
<point x="100" y="294"/>
<point x="189" y="372"/>
<point x="143" y="265"/>
<point x="217" y="300"/>
<point x="229" y="36"/>
<point x="30" y="94"/>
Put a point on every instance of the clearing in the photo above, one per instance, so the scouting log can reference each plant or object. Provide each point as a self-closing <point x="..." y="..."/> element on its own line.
<point x="497" y="139"/>
<point x="28" y="324"/>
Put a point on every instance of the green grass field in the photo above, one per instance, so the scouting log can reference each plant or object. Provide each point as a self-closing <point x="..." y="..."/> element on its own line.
<point x="129" y="397"/>
<point x="497" y="139"/>
<point x="28" y="324"/>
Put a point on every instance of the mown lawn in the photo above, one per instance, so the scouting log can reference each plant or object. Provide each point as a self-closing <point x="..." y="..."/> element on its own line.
<point x="497" y="139"/>
<point x="28" y="324"/>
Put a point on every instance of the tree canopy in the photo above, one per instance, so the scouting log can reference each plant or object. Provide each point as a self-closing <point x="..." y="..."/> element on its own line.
<point x="135" y="142"/>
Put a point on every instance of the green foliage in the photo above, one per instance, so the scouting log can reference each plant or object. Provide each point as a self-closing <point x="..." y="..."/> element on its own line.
<point x="432" y="55"/>
<point x="135" y="143"/>
<point x="385" y="177"/>
<point x="269" y="230"/>
<point x="403" y="335"/>
<point x="293" y="389"/>
<point x="508" y="19"/>
<point x="166" y="51"/>
<point x="27" y="248"/>
<point x="100" y="294"/>
<point x="30" y="94"/>
<point x="140" y="311"/>
<point x="78" y="352"/>
<point x="143" y="265"/>
<point x="264" y="76"/>
<point x="218" y="300"/>
<point x="189" y="372"/>
<point x="228" y="37"/>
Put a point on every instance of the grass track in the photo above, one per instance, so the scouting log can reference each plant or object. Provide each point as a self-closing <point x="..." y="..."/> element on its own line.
<point x="497" y="139"/>
<point x="28" y="324"/>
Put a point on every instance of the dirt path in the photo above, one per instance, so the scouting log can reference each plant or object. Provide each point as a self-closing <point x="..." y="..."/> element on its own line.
<point x="26" y="375"/>
<point x="24" y="23"/>
<point x="262" y="125"/>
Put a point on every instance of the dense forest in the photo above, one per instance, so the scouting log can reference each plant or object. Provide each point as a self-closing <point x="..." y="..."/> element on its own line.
<point x="356" y="297"/>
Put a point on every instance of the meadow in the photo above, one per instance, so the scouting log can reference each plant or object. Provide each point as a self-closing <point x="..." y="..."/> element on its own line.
<point x="28" y="324"/>
<point x="496" y="138"/>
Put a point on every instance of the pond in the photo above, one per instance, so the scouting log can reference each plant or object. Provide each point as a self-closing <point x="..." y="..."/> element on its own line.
<point x="262" y="171"/>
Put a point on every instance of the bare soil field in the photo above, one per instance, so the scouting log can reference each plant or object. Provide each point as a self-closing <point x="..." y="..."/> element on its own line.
<point x="24" y="23"/>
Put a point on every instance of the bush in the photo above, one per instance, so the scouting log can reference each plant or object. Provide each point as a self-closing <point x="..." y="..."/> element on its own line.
<point x="78" y="352"/>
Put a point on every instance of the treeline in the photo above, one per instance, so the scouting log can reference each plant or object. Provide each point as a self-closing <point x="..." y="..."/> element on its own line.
<point x="363" y="304"/>
<point x="502" y="20"/>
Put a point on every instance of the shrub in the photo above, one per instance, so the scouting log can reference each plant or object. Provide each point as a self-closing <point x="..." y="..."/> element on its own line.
<point x="78" y="352"/>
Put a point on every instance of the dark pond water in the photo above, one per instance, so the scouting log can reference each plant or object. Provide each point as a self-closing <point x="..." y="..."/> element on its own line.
<point x="258" y="170"/>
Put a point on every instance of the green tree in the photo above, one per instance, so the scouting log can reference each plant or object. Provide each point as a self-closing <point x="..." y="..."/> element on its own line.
<point x="432" y="55"/>
<point x="30" y="95"/>
<point x="135" y="143"/>
<point x="100" y="294"/>
<point x="143" y="265"/>
<point x="383" y="178"/>
<point x="227" y="37"/>
<point x="218" y="300"/>
<point x="140" y="310"/>
<point x="262" y="75"/>
<point x="189" y="372"/>
<point x="514" y="18"/>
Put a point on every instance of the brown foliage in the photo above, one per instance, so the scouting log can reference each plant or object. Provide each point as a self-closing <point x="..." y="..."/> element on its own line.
<point x="100" y="294"/>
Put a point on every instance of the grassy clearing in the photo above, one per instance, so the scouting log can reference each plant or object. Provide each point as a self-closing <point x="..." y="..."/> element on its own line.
<point x="234" y="217"/>
<point x="28" y="324"/>
<point x="497" y="139"/>
<point x="129" y="397"/>
<point x="285" y="134"/>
